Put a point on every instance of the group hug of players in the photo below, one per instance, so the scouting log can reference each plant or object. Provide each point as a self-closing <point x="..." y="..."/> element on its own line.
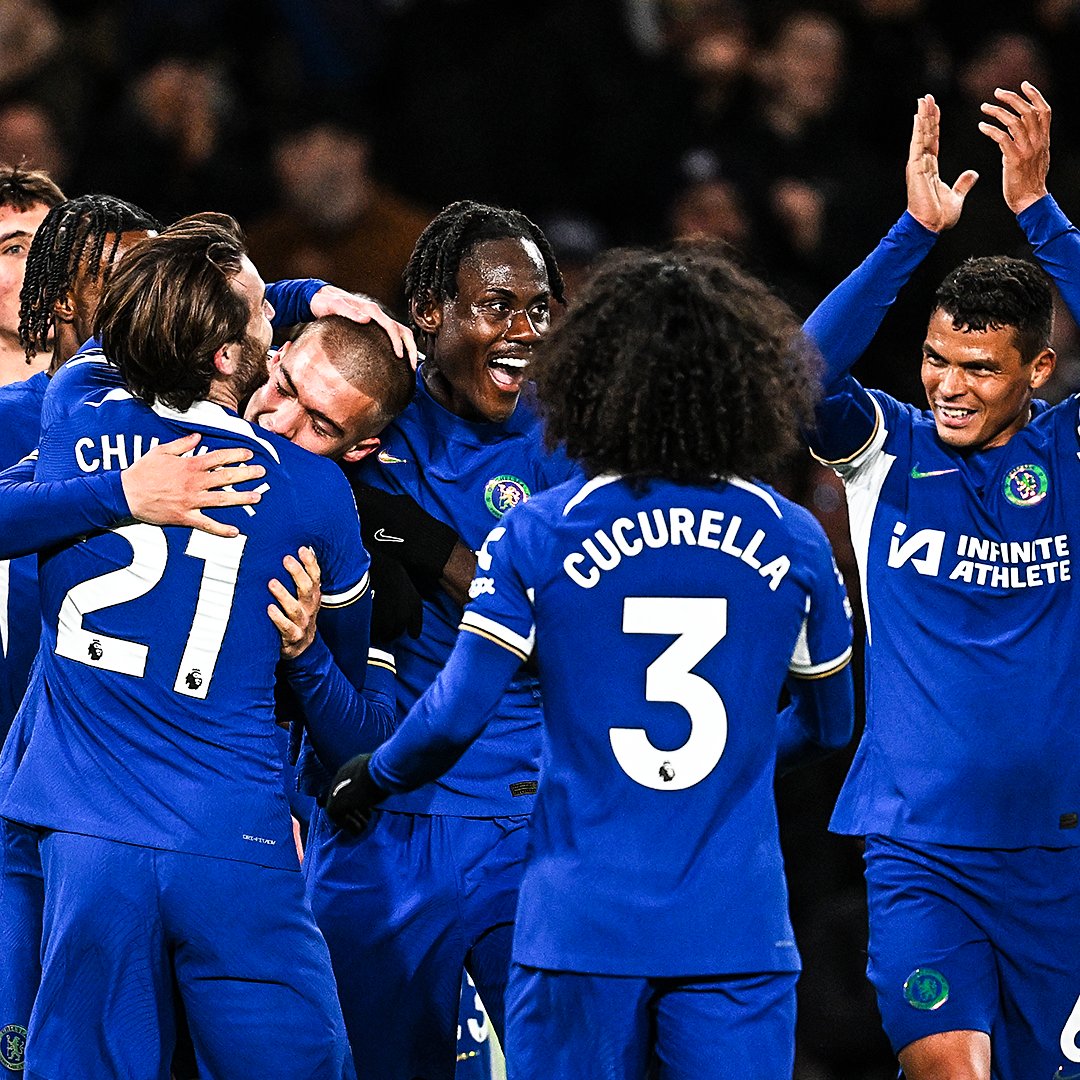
<point x="539" y="722"/>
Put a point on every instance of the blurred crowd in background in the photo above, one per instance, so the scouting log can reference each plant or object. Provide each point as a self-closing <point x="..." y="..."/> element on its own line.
<point x="334" y="130"/>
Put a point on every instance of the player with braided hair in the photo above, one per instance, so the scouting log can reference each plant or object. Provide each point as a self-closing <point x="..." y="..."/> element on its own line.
<point x="669" y="597"/>
<point x="77" y="245"/>
<point x="25" y="198"/>
<point x="432" y="887"/>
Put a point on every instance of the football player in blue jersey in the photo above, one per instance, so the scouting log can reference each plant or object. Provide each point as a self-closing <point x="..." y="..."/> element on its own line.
<point x="190" y="817"/>
<point x="83" y="235"/>
<point x="78" y="243"/>
<point x="668" y="599"/>
<point x="433" y="886"/>
<point x="966" y="783"/>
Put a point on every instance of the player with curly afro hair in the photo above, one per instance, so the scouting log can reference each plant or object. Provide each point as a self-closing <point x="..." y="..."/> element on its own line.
<point x="676" y="364"/>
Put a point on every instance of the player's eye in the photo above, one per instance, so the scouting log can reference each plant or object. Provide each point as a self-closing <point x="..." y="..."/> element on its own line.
<point x="540" y="312"/>
<point x="15" y="249"/>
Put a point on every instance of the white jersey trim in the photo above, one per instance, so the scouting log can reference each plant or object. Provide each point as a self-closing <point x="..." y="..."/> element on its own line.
<point x="90" y="356"/>
<point x="863" y="479"/>
<point x="489" y="628"/>
<point x="760" y="492"/>
<point x="381" y="658"/>
<point x="588" y="488"/>
<point x="854" y="462"/>
<point x="210" y="414"/>
<point x="349" y="596"/>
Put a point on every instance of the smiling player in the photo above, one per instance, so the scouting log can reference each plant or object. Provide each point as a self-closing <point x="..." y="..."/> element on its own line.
<point x="964" y="520"/>
<point x="433" y="886"/>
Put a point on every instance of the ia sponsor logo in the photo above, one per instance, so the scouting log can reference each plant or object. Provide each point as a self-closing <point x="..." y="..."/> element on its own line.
<point x="923" y="549"/>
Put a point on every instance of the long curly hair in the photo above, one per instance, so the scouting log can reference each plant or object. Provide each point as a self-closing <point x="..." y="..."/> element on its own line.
<point x="676" y="364"/>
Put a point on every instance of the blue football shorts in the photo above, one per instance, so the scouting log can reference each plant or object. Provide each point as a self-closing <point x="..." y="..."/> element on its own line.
<point x="565" y="1026"/>
<point x="125" y="926"/>
<point x="404" y="908"/>
<point x="976" y="939"/>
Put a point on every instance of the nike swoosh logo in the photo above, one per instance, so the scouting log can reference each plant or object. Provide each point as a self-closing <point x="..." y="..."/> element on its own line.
<point x="386" y="538"/>
<point x="916" y="475"/>
<point x="388" y="459"/>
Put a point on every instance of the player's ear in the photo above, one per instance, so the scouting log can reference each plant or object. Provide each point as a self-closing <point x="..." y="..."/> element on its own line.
<point x="426" y="313"/>
<point x="362" y="449"/>
<point x="1042" y="367"/>
<point x="64" y="308"/>
<point x="226" y="358"/>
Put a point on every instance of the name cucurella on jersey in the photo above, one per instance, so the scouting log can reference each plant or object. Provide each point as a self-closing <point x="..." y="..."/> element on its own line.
<point x="626" y="537"/>
<point x="998" y="564"/>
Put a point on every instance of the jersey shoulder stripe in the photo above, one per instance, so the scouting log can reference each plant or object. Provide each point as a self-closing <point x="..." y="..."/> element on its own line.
<point x="208" y="414"/>
<point x="588" y="488"/>
<point x="755" y="489"/>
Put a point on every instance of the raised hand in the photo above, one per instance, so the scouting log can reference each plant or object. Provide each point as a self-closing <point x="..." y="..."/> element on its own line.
<point x="330" y="300"/>
<point x="1024" y="141"/>
<point x="930" y="200"/>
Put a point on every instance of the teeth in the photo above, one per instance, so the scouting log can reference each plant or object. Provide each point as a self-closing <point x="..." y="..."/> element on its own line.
<point x="955" y="414"/>
<point x="511" y="362"/>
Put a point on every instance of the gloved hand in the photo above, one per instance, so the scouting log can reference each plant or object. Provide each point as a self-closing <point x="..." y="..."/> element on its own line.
<point x="353" y="795"/>
<point x="398" y="525"/>
<point x="396" y="606"/>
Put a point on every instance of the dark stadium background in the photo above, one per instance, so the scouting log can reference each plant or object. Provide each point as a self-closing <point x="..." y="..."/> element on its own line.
<point x="334" y="129"/>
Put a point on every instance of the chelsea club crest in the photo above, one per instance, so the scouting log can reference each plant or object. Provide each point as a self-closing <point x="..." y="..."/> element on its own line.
<point x="1026" y="485"/>
<point x="503" y="493"/>
<point x="13" y="1047"/>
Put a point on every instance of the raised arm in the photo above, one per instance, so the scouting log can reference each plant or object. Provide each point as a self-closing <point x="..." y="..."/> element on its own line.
<point x="845" y="322"/>
<point x="1024" y="140"/>
<point x="304" y="299"/>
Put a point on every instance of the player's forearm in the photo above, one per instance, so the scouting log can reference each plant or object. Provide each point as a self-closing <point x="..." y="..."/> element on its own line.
<point x="291" y="299"/>
<point x="845" y="322"/>
<point x="458" y="573"/>
<point x="820" y="719"/>
<point x="340" y="720"/>
<point x="448" y="718"/>
<point x="36" y="515"/>
<point x="1056" y="243"/>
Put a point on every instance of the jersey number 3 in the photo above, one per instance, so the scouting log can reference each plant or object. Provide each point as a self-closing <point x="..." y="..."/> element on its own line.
<point x="701" y="624"/>
<point x="150" y="551"/>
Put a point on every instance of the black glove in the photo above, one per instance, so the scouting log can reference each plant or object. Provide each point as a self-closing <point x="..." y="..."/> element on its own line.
<point x="397" y="524"/>
<point x="353" y="795"/>
<point x="396" y="606"/>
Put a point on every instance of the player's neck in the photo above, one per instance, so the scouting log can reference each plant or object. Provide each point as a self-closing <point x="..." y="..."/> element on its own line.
<point x="13" y="365"/>
<point x="223" y="393"/>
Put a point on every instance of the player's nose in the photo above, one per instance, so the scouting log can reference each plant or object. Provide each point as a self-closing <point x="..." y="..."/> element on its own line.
<point x="283" y="420"/>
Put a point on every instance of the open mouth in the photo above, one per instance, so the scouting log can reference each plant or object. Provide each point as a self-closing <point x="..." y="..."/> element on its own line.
<point x="953" y="415"/>
<point x="508" y="372"/>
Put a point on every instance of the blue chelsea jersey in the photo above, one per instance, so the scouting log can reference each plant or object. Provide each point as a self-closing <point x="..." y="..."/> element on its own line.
<point x="153" y="712"/>
<point x="972" y="734"/>
<point x="469" y="475"/>
<point x="20" y="418"/>
<point x="666" y="621"/>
